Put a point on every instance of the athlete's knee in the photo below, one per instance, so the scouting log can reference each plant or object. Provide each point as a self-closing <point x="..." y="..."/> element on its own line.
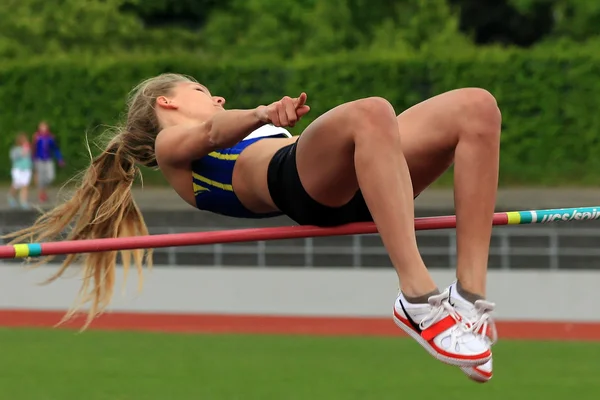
<point x="480" y="112"/>
<point x="373" y="116"/>
<point x="483" y="105"/>
<point x="373" y="109"/>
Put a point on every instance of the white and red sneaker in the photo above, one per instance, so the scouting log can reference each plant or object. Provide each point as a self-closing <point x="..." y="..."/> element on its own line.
<point x="481" y="373"/>
<point x="478" y="315"/>
<point x="441" y="331"/>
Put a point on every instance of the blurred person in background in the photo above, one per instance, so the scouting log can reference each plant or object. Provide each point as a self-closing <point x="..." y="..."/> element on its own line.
<point x="45" y="150"/>
<point x="21" y="171"/>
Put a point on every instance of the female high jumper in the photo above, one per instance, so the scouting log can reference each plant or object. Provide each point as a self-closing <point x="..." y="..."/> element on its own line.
<point x="357" y="162"/>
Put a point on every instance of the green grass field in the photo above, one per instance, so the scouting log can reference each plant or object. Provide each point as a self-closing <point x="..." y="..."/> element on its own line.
<point x="65" y="365"/>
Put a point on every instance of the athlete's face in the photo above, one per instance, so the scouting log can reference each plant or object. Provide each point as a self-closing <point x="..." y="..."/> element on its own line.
<point x="192" y="100"/>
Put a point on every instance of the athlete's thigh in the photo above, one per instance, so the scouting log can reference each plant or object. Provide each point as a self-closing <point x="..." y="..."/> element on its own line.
<point x="429" y="134"/>
<point x="325" y="158"/>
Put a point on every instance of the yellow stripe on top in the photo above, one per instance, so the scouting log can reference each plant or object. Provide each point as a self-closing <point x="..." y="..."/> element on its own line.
<point x="221" y="156"/>
<point x="216" y="184"/>
<point x="198" y="188"/>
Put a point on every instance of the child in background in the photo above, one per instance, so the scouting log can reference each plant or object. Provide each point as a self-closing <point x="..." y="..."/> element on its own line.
<point x="21" y="170"/>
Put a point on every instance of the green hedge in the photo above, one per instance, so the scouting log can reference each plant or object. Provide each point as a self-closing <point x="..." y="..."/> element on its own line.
<point x="549" y="102"/>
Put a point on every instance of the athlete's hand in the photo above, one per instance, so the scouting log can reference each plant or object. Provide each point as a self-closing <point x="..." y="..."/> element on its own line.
<point x="285" y="112"/>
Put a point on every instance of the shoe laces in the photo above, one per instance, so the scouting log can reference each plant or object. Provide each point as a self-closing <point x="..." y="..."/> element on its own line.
<point x="440" y="308"/>
<point x="483" y="324"/>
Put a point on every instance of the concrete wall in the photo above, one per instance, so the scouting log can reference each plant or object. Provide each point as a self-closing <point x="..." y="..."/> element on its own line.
<point x="524" y="295"/>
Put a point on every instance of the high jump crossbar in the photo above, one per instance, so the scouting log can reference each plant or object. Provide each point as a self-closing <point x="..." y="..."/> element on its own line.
<point x="277" y="233"/>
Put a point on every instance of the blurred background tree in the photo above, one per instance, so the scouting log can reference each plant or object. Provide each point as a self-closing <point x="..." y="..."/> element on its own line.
<point x="284" y="29"/>
<point x="533" y="54"/>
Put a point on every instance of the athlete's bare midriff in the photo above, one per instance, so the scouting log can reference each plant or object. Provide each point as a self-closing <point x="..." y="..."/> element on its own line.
<point x="249" y="176"/>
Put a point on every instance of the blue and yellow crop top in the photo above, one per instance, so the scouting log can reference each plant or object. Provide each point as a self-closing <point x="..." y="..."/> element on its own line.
<point x="212" y="176"/>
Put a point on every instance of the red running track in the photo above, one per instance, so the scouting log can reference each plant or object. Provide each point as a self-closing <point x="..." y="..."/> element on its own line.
<point x="256" y="324"/>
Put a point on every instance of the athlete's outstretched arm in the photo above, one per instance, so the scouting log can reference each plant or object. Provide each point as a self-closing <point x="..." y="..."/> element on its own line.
<point x="183" y="143"/>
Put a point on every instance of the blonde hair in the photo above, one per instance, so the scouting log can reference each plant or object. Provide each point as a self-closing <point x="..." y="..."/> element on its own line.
<point x="102" y="206"/>
<point x="21" y="139"/>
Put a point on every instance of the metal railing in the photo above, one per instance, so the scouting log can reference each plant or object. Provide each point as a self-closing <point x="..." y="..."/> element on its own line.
<point x="543" y="247"/>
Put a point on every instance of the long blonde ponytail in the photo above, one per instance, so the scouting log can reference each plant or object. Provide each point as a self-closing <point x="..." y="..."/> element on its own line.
<point x="102" y="206"/>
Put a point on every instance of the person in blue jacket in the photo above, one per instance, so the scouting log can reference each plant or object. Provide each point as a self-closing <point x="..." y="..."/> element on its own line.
<point x="44" y="151"/>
